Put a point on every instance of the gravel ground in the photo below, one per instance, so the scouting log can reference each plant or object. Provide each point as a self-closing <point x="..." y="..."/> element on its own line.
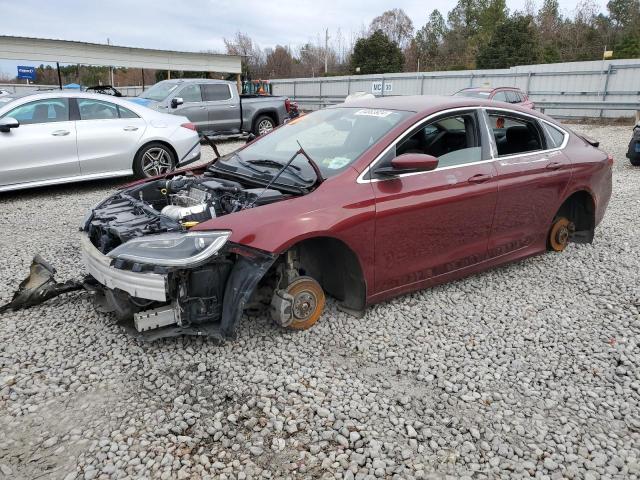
<point x="530" y="370"/>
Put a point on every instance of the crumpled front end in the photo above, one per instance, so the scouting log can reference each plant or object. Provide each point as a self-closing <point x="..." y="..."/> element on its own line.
<point x="169" y="280"/>
<point x="204" y="300"/>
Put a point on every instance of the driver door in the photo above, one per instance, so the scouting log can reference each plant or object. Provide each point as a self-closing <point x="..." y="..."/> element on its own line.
<point x="429" y="224"/>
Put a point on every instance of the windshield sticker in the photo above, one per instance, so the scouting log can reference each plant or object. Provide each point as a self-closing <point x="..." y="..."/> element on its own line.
<point x="337" y="163"/>
<point x="369" y="112"/>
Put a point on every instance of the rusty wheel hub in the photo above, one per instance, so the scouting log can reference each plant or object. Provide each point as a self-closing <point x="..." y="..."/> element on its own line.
<point x="560" y="234"/>
<point x="308" y="302"/>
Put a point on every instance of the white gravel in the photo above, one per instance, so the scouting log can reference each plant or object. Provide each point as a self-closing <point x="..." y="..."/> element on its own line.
<point x="530" y="370"/>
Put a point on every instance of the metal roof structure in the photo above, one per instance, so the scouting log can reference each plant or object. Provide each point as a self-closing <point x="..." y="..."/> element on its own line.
<point x="65" y="51"/>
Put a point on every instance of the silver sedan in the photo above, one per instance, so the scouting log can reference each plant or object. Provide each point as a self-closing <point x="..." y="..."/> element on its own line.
<point x="59" y="137"/>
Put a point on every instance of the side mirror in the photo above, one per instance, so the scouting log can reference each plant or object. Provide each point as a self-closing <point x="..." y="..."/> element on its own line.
<point x="409" y="163"/>
<point x="7" y="123"/>
<point x="176" y="102"/>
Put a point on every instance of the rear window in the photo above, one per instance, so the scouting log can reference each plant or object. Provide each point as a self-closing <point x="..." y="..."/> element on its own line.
<point x="473" y="94"/>
<point x="216" y="91"/>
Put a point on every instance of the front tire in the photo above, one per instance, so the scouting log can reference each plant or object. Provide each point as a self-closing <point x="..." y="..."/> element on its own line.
<point x="264" y="124"/>
<point x="154" y="159"/>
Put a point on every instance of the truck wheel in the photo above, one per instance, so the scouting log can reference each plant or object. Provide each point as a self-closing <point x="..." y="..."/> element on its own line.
<point x="154" y="159"/>
<point x="264" y="124"/>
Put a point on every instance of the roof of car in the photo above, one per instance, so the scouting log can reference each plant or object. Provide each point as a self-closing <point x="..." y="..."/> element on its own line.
<point x="488" y="89"/>
<point x="419" y="103"/>
<point x="196" y="80"/>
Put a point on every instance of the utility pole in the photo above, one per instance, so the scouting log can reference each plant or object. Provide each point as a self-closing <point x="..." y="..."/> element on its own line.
<point x="326" y="51"/>
<point x="110" y="68"/>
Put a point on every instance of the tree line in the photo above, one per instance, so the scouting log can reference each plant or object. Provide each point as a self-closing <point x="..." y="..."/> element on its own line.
<point x="474" y="34"/>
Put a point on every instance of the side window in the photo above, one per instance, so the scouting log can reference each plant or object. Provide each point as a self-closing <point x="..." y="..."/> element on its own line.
<point x="126" y="113"/>
<point x="41" y="111"/>
<point x="190" y="93"/>
<point x="91" y="109"/>
<point x="500" y="96"/>
<point x="556" y="137"/>
<point x="453" y="140"/>
<point x="514" y="134"/>
<point x="216" y="92"/>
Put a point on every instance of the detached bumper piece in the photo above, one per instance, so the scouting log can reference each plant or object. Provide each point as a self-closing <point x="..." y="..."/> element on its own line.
<point x="39" y="286"/>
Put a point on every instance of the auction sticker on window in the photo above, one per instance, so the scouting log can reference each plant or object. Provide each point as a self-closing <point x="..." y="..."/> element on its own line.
<point x="370" y="112"/>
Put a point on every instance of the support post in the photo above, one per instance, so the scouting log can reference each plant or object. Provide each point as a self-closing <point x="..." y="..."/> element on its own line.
<point x="382" y="92"/>
<point x="142" y="71"/>
<point x="528" y="83"/>
<point x="606" y="87"/>
<point x="239" y="83"/>
<point x="471" y="80"/>
<point x="320" y="97"/>
<point x="168" y="74"/>
<point x="59" y="76"/>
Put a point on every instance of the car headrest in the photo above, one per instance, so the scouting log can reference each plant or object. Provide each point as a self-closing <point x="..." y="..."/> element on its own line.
<point x="41" y="113"/>
<point x="519" y="135"/>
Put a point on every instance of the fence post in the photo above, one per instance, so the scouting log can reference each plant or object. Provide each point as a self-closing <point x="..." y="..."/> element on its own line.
<point x="606" y="87"/>
<point x="471" y="80"/>
<point x="382" y="93"/>
<point x="348" y="86"/>
<point x="294" y="89"/>
<point x="422" y="85"/>
<point x="320" y="98"/>
<point x="528" y="83"/>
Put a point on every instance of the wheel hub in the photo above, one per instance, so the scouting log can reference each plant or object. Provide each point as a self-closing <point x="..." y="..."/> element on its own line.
<point x="303" y="305"/>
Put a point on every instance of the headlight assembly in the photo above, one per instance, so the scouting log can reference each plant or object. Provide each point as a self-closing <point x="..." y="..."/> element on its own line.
<point x="172" y="249"/>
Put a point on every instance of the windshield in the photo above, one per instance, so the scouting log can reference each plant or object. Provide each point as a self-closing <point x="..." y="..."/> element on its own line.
<point x="334" y="138"/>
<point x="159" y="91"/>
<point x="473" y="93"/>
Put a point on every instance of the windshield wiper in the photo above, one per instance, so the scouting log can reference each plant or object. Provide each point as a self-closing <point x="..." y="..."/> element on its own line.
<point x="293" y="169"/>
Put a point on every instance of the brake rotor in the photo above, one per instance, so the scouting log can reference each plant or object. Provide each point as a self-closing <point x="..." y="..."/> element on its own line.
<point x="308" y="302"/>
<point x="560" y="234"/>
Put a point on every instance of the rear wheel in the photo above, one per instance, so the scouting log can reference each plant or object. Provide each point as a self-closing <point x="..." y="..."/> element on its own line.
<point x="264" y="124"/>
<point x="560" y="233"/>
<point x="154" y="159"/>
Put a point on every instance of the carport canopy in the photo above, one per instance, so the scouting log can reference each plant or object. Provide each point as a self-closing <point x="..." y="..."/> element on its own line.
<point x="65" y="51"/>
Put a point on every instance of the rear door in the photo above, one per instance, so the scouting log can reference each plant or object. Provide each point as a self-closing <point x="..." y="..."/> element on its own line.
<point x="43" y="147"/>
<point x="223" y="106"/>
<point x="108" y="136"/>
<point x="194" y="108"/>
<point x="533" y="174"/>
<point x="432" y="223"/>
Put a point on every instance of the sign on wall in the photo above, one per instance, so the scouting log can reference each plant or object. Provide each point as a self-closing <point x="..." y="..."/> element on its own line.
<point x="26" y="72"/>
<point x="376" y="87"/>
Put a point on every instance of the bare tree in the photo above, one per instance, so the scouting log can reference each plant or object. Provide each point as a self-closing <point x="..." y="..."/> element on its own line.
<point x="252" y="55"/>
<point x="279" y="62"/>
<point x="396" y="25"/>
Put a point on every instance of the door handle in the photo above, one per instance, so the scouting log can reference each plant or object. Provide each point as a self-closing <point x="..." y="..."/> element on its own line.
<point x="130" y="129"/>
<point x="480" y="178"/>
<point x="553" y="166"/>
<point x="60" y="133"/>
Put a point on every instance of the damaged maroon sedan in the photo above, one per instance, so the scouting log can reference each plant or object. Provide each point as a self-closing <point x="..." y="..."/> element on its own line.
<point x="362" y="201"/>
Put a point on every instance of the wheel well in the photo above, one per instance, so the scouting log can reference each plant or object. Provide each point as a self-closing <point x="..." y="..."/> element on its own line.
<point x="336" y="267"/>
<point x="166" y="144"/>
<point x="269" y="113"/>
<point x="580" y="209"/>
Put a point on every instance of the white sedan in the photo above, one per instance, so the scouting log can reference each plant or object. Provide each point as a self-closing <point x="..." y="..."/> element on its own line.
<point x="58" y="137"/>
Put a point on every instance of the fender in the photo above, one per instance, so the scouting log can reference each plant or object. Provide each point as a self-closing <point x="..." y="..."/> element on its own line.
<point x="335" y="209"/>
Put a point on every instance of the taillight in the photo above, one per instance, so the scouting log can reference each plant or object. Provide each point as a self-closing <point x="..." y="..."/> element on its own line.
<point x="190" y="126"/>
<point x="287" y="105"/>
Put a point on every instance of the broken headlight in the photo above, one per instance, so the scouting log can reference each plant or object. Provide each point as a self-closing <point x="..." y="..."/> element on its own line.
<point x="173" y="249"/>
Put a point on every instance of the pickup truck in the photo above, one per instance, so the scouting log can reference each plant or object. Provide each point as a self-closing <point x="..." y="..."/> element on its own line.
<point x="215" y="107"/>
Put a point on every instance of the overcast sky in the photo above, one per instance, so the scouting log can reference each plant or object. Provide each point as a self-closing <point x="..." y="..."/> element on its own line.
<point x="197" y="25"/>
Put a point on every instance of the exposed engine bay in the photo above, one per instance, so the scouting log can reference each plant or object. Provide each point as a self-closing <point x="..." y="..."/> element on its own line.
<point x="170" y="205"/>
